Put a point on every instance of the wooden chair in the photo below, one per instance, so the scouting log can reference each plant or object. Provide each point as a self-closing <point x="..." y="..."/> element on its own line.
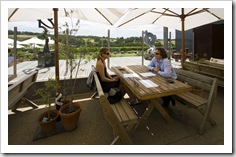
<point x="120" y="115"/>
<point x="19" y="89"/>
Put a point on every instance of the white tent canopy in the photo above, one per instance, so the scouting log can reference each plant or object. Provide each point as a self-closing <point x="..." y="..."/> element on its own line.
<point x="50" y="41"/>
<point x="10" y="46"/>
<point x="33" y="40"/>
<point x="11" y="43"/>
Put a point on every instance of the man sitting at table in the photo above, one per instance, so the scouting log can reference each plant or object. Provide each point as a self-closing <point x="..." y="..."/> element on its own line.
<point x="161" y="65"/>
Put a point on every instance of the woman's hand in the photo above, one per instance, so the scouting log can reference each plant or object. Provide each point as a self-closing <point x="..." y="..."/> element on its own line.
<point x="115" y="78"/>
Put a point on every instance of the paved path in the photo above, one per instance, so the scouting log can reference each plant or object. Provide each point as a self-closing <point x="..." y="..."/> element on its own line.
<point x="24" y="68"/>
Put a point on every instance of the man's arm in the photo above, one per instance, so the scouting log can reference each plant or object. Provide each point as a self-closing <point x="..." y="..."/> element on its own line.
<point x="166" y="72"/>
<point x="152" y="64"/>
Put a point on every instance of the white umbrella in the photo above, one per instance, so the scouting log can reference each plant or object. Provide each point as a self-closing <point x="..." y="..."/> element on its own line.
<point x="101" y="15"/>
<point x="177" y="18"/>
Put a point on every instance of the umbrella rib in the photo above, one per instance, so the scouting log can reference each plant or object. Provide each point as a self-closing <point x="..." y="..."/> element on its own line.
<point x="166" y="14"/>
<point x="175" y="14"/>
<point x="197" y="12"/>
<point x="103" y="16"/>
<point x="13" y="13"/>
<point x="135" y="17"/>
<point x="158" y="16"/>
<point x="131" y="20"/>
<point x="66" y="13"/>
<point x="205" y="9"/>
<point x="201" y="11"/>
<point x="190" y="13"/>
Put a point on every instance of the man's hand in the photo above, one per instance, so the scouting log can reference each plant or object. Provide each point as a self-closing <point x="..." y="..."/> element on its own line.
<point x="156" y="69"/>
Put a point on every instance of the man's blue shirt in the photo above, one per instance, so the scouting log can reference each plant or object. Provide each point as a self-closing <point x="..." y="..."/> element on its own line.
<point x="166" y="69"/>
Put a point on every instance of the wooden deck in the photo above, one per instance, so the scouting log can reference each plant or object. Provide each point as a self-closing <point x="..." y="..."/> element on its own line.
<point x="25" y="68"/>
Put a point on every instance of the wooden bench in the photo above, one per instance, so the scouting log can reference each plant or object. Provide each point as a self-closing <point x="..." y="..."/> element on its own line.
<point x="217" y="60"/>
<point x="120" y="115"/>
<point x="177" y="56"/>
<point x="207" y="68"/>
<point x="19" y="89"/>
<point x="203" y="105"/>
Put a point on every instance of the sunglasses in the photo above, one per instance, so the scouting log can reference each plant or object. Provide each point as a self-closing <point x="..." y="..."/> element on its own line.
<point x="107" y="53"/>
<point x="157" y="53"/>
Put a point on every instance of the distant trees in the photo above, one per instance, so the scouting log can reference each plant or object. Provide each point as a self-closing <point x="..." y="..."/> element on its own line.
<point x="94" y="43"/>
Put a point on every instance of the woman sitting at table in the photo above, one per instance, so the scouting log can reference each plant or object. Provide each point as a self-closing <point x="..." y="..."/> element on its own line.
<point x="161" y="65"/>
<point x="107" y="81"/>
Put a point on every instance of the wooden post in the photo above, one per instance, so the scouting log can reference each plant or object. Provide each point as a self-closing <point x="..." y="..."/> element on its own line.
<point x="108" y="36"/>
<point x="56" y="47"/>
<point x="183" y="38"/>
<point x="142" y="47"/>
<point x="14" y="50"/>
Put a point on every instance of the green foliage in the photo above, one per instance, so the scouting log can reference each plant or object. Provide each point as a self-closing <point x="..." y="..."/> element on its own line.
<point x="72" y="54"/>
<point x="47" y="92"/>
<point x="94" y="43"/>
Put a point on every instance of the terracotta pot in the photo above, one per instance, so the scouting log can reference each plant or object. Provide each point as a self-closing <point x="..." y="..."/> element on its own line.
<point x="198" y="91"/>
<point x="48" y="126"/>
<point x="58" y="107"/>
<point x="65" y="101"/>
<point x="70" y="120"/>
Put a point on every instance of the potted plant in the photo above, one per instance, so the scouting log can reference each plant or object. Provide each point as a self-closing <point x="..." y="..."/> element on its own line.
<point x="70" y="112"/>
<point x="47" y="120"/>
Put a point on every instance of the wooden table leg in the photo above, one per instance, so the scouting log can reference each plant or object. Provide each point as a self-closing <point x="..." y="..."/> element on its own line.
<point x="160" y="109"/>
<point x="145" y="115"/>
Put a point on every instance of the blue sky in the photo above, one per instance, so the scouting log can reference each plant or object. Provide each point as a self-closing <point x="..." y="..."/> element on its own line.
<point x="96" y="29"/>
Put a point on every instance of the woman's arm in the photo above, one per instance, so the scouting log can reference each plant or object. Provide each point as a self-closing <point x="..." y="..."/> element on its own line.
<point x="100" y="69"/>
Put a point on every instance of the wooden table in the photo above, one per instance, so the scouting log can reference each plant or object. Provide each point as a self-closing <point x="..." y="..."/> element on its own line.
<point x="152" y="94"/>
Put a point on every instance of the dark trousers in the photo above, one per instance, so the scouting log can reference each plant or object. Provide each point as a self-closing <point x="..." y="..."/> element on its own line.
<point x="167" y="100"/>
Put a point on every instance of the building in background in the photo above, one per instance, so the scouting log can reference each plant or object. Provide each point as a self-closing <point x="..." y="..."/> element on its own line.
<point x="204" y="42"/>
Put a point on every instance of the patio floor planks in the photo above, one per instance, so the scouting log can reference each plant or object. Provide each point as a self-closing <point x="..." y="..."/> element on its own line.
<point x="24" y="68"/>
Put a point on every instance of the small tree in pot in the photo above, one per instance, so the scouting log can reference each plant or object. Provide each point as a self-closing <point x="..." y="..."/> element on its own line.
<point x="47" y="120"/>
<point x="70" y="112"/>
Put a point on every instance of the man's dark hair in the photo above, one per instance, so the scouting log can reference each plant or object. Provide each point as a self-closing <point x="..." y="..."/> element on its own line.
<point x="162" y="52"/>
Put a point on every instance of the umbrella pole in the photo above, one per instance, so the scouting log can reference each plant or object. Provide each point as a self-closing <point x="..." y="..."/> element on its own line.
<point x="183" y="38"/>
<point x="142" y="47"/>
<point x="14" y="51"/>
<point x="108" y="35"/>
<point x="56" y="47"/>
